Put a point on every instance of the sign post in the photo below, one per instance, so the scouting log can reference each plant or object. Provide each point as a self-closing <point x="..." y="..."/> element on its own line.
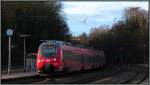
<point x="9" y="33"/>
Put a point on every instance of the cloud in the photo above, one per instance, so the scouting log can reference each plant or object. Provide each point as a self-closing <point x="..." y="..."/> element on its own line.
<point x="100" y="10"/>
<point x="81" y="9"/>
<point x="95" y="8"/>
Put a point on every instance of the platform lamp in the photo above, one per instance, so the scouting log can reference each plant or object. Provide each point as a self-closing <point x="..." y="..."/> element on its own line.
<point x="24" y="36"/>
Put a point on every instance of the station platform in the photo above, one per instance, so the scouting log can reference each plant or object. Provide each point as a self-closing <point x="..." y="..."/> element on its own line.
<point x="144" y="65"/>
<point x="17" y="75"/>
<point x="146" y="81"/>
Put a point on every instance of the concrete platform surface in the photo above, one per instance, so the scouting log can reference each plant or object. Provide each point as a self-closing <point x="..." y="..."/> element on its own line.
<point x="18" y="75"/>
<point x="146" y="81"/>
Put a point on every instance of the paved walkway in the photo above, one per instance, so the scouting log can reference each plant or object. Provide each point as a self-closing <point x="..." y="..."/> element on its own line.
<point x="144" y="65"/>
<point x="18" y="75"/>
<point x="3" y="72"/>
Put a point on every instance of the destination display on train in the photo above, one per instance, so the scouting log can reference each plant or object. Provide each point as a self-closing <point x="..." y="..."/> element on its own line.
<point x="48" y="46"/>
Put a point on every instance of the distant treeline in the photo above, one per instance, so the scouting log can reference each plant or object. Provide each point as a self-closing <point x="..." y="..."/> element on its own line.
<point x="127" y="41"/>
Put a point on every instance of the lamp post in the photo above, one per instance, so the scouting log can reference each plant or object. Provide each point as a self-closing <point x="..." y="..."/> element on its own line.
<point x="9" y="33"/>
<point x="24" y="44"/>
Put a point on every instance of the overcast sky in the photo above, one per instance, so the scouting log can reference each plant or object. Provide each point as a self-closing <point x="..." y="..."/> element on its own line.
<point x="82" y="16"/>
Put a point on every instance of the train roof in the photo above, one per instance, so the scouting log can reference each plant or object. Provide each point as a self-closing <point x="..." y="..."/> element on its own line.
<point x="54" y="42"/>
<point x="58" y="43"/>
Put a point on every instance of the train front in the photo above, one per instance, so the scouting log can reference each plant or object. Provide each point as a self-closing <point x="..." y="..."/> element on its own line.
<point x="49" y="58"/>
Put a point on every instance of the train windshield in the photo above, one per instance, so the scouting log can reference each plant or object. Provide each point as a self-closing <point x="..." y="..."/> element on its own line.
<point x="48" y="51"/>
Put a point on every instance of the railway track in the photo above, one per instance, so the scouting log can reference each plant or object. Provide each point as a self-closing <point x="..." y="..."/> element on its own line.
<point x="123" y="75"/>
<point x="130" y="75"/>
<point x="109" y="75"/>
<point x="137" y="79"/>
<point x="81" y="77"/>
<point x="119" y="78"/>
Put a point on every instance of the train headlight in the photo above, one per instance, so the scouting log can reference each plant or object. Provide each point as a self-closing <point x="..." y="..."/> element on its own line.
<point x="41" y="60"/>
<point x="54" y="59"/>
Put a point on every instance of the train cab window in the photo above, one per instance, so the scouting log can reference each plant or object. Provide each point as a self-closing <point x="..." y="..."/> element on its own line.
<point x="48" y="51"/>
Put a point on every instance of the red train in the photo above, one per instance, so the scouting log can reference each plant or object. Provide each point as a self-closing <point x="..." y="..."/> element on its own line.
<point x="54" y="56"/>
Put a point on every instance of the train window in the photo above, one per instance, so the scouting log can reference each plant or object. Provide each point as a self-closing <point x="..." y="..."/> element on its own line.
<point x="48" y="51"/>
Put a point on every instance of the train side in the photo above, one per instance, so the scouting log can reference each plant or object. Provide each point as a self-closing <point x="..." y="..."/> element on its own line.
<point x="76" y="59"/>
<point x="63" y="57"/>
